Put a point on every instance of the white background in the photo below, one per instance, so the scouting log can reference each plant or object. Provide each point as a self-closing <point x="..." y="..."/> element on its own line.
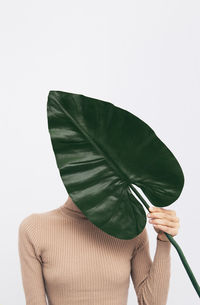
<point x="142" y="56"/>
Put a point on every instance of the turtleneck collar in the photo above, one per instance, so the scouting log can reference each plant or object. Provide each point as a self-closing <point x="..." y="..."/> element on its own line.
<point x="70" y="208"/>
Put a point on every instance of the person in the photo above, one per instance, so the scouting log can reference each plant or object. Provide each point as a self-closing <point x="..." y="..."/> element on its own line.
<point x="67" y="260"/>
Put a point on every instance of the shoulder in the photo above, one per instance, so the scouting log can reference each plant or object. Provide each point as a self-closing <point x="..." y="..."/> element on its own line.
<point x="141" y="239"/>
<point x="28" y="221"/>
<point x="28" y="225"/>
<point x="36" y="221"/>
<point x="31" y="228"/>
<point x="35" y="217"/>
<point x="140" y="242"/>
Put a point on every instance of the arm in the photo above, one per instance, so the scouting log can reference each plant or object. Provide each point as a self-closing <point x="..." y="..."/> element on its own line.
<point x="151" y="279"/>
<point x="31" y="264"/>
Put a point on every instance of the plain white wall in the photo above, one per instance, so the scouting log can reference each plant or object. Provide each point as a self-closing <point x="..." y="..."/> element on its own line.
<point x="142" y="56"/>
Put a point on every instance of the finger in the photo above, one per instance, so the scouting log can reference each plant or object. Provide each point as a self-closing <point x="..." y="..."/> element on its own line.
<point x="164" y="215"/>
<point x="164" y="222"/>
<point x="166" y="229"/>
<point x="158" y="209"/>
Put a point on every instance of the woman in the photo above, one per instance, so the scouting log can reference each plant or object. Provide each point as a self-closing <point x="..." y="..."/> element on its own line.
<point x="67" y="260"/>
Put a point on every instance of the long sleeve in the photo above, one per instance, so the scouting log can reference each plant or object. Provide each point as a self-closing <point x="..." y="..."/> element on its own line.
<point x="151" y="279"/>
<point x="31" y="264"/>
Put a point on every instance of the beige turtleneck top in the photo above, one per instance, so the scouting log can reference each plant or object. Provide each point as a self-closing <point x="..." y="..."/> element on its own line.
<point x="67" y="260"/>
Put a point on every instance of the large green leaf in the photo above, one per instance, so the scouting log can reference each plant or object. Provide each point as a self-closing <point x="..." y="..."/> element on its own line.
<point x="101" y="150"/>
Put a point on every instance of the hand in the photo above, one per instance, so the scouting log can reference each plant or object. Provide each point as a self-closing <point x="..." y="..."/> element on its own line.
<point x="164" y="220"/>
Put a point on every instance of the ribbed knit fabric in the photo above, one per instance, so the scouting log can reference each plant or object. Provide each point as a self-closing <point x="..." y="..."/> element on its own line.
<point x="67" y="260"/>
